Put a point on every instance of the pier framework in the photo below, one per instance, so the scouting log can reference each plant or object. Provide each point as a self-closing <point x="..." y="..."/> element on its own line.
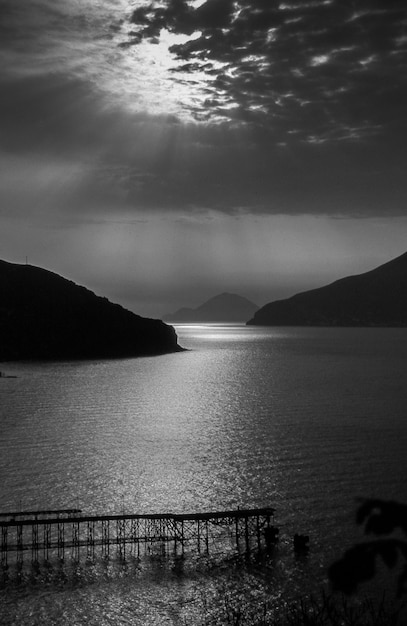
<point x="45" y="535"/>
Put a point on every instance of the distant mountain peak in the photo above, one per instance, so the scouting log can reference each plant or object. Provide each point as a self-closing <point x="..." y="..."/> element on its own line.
<point x="224" y="307"/>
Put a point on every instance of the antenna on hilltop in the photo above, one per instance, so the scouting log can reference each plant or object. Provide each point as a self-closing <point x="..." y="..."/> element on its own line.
<point x="26" y="260"/>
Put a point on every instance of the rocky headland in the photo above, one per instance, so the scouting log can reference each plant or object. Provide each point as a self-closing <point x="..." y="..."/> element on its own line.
<point x="375" y="298"/>
<point x="45" y="316"/>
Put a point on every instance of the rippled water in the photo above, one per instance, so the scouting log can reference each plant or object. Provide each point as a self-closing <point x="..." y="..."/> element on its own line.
<point x="304" y="420"/>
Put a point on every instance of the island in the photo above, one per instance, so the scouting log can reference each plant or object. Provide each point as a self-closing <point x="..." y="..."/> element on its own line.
<point x="223" y="308"/>
<point x="375" y="298"/>
<point x="46" y="316"/>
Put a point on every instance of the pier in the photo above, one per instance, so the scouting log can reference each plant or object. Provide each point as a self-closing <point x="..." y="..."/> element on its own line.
<point x="67" y="533"/>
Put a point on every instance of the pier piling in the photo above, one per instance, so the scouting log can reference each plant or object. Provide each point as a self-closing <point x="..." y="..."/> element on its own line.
<point x="43" y="535"/>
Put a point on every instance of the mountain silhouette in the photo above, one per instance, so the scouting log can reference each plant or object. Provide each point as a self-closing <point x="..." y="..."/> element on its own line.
<point x="225" y="307"/>
<point x="375" y="298"/>
<point x="45" y="316"/>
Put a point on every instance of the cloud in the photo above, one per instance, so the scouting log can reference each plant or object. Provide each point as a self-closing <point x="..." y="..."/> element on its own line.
<point x="313" y="67"/>
<point x="261" y="107"/>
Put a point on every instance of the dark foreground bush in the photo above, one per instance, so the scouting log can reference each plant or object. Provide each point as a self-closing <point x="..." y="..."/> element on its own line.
<point x="387" y="521"/>
<point x="384" y="519"/>
<point x="325" y="610"/>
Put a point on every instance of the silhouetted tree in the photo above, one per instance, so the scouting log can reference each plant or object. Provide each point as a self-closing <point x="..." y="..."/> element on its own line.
<point x="358" y="564"/>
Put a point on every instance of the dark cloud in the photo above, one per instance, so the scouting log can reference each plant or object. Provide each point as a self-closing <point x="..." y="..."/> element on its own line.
<point x="50" y="113"/>
<point x="247" y="172"/>
<point x="136" y="161"/>
<point x="326" y="69"/>
<point x="55" y="114"/>
<point x="302" y="104"/>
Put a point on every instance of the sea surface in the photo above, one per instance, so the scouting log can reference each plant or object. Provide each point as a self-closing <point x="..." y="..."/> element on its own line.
<point x="305" y="420"/>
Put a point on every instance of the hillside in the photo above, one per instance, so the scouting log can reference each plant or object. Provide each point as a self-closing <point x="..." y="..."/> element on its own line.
<point x="226" y="307"/>
<point x="45" y="316"/>
<point x="375" y="298"/>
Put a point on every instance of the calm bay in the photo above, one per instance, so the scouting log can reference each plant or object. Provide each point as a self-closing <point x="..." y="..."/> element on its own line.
<point x="306" y="420"/>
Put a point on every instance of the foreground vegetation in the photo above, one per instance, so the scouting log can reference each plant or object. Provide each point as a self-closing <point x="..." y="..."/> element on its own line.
<point x="387" y="522"/>
<point x="325" y="610"/>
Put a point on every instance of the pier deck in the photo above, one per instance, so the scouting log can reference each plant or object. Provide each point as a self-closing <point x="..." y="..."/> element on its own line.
<point x="68" y="533"/>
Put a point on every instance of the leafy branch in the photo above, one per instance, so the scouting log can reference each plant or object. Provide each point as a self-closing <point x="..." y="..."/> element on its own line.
<point x="358" y="564"/>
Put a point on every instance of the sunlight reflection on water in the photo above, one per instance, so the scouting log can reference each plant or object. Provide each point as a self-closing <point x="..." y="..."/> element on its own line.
<point x="304" y="420"/>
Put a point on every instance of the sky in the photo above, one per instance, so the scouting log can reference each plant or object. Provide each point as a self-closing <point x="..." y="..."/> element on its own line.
<point x="163" y="152"/>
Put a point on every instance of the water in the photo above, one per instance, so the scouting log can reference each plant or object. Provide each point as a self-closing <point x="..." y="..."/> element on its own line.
<point x="304" y="420"/>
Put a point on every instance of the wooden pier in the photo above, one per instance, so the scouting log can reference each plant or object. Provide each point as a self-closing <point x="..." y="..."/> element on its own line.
<point x="68" y="533"/>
